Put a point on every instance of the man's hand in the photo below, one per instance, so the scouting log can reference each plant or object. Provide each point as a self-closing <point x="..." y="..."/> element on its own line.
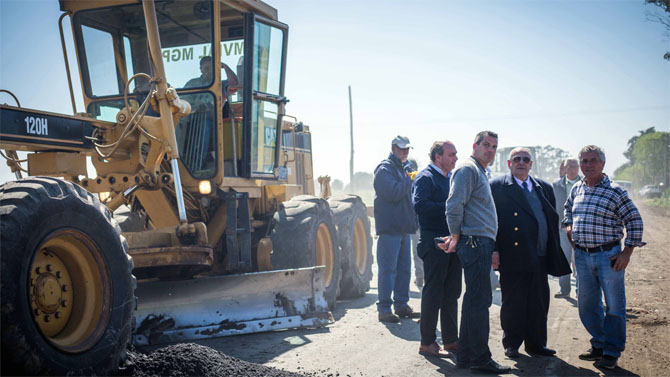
<point x="451" y="243"/>
<point x="568" y="230"/>
<point x="621" y="260"/>
<point x="495" y="260"/>
<point x="444" y="245"/>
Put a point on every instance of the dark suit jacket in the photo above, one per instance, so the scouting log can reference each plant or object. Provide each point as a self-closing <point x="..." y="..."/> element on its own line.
<point x="516" y="240"/>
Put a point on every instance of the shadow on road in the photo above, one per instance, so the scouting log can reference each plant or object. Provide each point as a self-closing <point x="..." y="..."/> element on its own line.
<point x="548" y="366"/>
<point x="407" y="329"/>
<point x="263" y="347"/>
<point x="358" y="303"/>
<point x="528" y="366"/>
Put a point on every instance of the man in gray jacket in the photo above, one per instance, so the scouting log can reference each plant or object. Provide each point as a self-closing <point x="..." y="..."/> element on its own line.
<point x="472" y="219"/>
<point x="562" y="188"/>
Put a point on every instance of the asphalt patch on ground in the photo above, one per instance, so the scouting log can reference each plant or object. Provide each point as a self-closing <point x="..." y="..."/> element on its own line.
<point x="190" y="359"/>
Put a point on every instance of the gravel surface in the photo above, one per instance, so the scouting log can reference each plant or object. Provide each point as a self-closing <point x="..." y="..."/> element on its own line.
<point x="190" y="359"/>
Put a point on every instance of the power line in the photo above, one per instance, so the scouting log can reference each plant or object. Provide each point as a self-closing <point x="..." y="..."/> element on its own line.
<point x="545" y="115"/>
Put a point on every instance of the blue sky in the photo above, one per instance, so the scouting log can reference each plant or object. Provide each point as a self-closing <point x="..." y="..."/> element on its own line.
<point x="565" y="73"/>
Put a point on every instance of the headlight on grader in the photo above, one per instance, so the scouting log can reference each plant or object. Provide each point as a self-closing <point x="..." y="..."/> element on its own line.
<point x="205" y="187"/>
<point x="104" y="196"/>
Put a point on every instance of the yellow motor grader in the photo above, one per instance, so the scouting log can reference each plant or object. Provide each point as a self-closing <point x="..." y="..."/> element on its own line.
<point x="202" y="219"/>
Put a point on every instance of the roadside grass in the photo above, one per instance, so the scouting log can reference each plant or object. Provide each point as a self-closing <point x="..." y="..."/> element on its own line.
<point x="658" y="202"/>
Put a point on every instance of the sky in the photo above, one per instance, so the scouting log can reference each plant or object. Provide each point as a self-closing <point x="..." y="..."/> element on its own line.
<point x="560" y="73"/>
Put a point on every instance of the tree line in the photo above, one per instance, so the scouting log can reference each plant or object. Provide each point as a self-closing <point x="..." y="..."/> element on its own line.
<point x="648" y="155"/>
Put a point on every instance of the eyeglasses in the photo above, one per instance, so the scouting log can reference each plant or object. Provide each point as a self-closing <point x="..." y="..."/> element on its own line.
<point x="519" y="158"/>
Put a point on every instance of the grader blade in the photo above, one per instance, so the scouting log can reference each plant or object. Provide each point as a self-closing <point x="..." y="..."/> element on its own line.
<point x="210" y="307"/>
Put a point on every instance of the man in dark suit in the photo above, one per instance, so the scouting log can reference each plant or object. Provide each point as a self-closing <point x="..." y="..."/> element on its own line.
<point x="527" y="249"/>
<point x="562" y="188"/>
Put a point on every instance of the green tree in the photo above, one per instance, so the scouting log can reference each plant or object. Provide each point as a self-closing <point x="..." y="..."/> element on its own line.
<point x="337" y="185"/>
<point x="362" y="182"/>
<point x="629" y="153"/>
<point x="661" y="16"/>
<point x="547" y="160"/>
<point x="651" y="153"/>
<point x="631" y="143"/>
<point x="649" y="159"/>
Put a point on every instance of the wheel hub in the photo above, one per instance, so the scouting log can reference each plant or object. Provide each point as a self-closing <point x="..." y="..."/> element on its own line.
<point x="51" y="292"/>
<point x="69" y="291"/>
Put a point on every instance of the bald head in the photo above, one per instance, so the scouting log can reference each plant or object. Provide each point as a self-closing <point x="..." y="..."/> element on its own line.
<point x="518" y="149"/>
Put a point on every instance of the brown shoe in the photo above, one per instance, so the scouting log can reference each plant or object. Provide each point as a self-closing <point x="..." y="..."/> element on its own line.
<point x="451" y="347"/>
<point x="388" y="317"/>
<point x="407" y="312"/>
<point x="433" y="350"/>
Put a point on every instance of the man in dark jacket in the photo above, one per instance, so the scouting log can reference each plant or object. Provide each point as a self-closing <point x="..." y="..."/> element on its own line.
<point x="442" y="271"/>
<point x="527" y="249"/>
<point x="394" y="222"/>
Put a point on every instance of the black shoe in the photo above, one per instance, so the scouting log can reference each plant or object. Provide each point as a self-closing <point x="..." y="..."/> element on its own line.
<point x="388" y="317"/>
<point x="461" y="364"/>
<point x="607" y="362"/>
<point x="592" y="354"/>
<point x="512" y="352"/>
<point x="491" y="367"/>
<point x="543" y="351"/>
<point x="407" y="312"/>
<point x="562" y="295"/>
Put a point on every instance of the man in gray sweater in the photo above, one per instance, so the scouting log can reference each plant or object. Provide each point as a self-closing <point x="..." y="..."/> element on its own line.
<point x="472" y="219"/>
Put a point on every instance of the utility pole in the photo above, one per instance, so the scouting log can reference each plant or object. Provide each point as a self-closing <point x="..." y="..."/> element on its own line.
<point x="351" y="132"/>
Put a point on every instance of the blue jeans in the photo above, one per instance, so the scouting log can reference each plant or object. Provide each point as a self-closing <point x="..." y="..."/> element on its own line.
<point x="395" y="270"/>
<point x="473" y="343"/>
<point x="597" y="277"/>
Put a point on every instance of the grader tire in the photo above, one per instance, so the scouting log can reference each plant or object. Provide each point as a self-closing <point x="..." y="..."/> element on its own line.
<point x="67" y="284"/>
<point x="353" y="233"/>
<point x="304" y="235"/>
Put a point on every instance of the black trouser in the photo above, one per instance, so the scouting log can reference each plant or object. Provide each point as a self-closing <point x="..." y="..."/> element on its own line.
<point x="442" y="287"/>
<point x="525" y="304"/>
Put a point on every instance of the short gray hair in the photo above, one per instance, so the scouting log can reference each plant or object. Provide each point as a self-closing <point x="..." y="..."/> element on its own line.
<point x="593" y="148"/>
<point x="519" y="149"/>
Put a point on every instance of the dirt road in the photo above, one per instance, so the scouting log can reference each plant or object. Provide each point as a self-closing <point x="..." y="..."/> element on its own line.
<point x="358" y="345"/>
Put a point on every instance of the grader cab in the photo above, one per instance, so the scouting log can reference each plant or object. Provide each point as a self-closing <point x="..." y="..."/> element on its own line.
<point x="201" y="220"/>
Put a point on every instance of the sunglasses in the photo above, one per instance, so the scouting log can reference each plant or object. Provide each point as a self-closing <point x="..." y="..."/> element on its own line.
<point x="519" y="158"/>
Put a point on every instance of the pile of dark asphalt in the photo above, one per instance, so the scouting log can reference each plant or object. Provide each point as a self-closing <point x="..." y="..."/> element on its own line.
<point x="190" y="359"/>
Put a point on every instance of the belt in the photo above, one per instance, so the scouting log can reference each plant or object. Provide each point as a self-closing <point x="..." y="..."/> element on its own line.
<point x="597" y="249"/>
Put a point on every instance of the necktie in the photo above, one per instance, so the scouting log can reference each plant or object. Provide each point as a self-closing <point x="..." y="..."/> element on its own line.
<point x="524" y="185"/>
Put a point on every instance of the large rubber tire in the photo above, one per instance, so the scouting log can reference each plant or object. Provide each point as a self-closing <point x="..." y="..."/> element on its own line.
<point x="67" y="284"/>
<point x="304" y="235"/>
<point x="353" y="233"/>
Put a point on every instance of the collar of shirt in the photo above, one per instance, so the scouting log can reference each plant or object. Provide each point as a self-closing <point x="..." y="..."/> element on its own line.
<point x="605" y="182"/>
<point x="569" y="182"/>
<point x="520" y="183"/>
<point x="440" y="170"/>
<point x="479" y="165"/>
